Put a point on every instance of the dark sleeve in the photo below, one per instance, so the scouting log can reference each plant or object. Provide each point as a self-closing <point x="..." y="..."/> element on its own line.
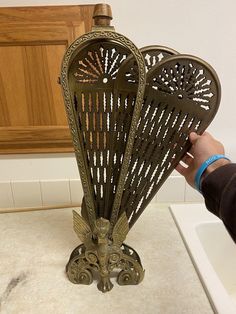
<point x="219" y="191"/>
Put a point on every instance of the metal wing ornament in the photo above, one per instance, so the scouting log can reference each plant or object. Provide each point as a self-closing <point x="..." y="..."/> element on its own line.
<point x="130" y="112"/>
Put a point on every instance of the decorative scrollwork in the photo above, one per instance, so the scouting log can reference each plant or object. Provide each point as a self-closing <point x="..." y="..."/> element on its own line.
<point x="91" y="257"/>
<point x="132" y="270"/>
<point x="114" y="259"/>
<point x="103" y="255"/>
<point x="78" y="270"/>
<point x="84" y="277"/>
<point x="80" y="266"/>
<point x="127" y="277"/>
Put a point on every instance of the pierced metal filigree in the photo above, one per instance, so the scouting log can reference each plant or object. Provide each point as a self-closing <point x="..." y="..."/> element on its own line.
<point x="103" y="255"/>
<point x="100" y="63"/>
<point x="130" y="113"/>
<point x="153" y="55"/>
<point x="103" y="122"/>
<point x="94" y="113"/>
<point x="182" y="95"/>
<point x="185" y="80"/>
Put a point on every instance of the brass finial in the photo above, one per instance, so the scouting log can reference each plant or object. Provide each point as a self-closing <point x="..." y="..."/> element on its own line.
<point x="102" y="14"/>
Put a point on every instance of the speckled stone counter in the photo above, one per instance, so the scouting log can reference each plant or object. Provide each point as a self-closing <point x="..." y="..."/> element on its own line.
<point x="35" y="247"/>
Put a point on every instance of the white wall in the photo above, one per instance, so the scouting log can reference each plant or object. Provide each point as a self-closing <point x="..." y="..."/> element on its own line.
<point x="203" y="28"/>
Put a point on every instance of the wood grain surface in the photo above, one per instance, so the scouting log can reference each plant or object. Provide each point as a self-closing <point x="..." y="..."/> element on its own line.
<point x="33" y="41"/>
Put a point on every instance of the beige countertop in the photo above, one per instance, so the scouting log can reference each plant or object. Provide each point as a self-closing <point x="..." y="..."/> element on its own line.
<point x="35" y="247"/>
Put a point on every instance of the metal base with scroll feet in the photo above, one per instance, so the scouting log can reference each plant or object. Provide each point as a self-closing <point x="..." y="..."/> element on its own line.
<point x="103" y="255"/>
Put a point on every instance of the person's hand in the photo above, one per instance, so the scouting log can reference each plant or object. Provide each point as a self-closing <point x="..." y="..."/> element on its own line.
<point x="203" y="147"/>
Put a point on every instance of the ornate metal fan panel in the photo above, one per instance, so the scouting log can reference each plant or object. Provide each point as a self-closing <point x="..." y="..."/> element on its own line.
<point x="130" y="113"/>
<point x="100" y="116"/>
<point x="104" y="116"/>
<point x="182" y="95"/>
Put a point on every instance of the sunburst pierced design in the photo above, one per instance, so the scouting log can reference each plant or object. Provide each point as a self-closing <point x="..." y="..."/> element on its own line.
<point x="99" y="64"/>
<point x="155" y="54"/>
<point x="152" y="55"/>
<point x="187" y="81"/>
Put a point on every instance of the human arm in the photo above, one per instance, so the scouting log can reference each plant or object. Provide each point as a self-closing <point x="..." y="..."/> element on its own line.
<point x="218" y="184"/>
<point x="203" y="147"/>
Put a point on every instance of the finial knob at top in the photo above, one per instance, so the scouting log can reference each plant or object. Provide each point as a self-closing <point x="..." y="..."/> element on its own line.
<point x="102" y="14"/>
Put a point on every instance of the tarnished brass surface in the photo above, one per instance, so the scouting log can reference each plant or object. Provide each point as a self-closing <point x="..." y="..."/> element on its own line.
<point x="93" y="106"/>
<point x="182" y="95"/>
<point x="130" y="112"/>
<point x="103" y="254"/>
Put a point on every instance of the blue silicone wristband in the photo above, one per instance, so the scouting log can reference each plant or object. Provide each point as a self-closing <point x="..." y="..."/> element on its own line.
<point x="203" y="167"/>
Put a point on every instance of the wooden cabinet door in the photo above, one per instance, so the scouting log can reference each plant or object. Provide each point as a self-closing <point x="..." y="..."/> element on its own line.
<point x="32" y="114"/>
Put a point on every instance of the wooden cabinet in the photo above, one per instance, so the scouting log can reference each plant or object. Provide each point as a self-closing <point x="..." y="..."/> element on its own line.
<point x="32" y="44"/>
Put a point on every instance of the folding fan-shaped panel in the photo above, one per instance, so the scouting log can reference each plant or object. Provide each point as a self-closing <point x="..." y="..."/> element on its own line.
<point x="100" y="115"/>
<point x="182" y="95"/>
<point x="127" y="80"/>
<point x="113" y="104"/>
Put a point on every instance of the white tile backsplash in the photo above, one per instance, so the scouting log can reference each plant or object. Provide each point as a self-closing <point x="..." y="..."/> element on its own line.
<point x="26" y="193"/>
<point x="69" y="192"/>
<point x="55" y="192"/>
<point x="6" y="196"/>
<point x="76" y="191"/>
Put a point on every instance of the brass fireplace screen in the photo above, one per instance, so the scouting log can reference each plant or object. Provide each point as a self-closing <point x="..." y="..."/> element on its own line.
<point x="130" y="112"/>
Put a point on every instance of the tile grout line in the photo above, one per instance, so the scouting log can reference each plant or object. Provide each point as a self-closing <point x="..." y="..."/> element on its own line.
<point x="41" y="193"/>
<point x="70" y="191"/>
<point x="69" y="184"/>
<point x="13" y="199"/>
